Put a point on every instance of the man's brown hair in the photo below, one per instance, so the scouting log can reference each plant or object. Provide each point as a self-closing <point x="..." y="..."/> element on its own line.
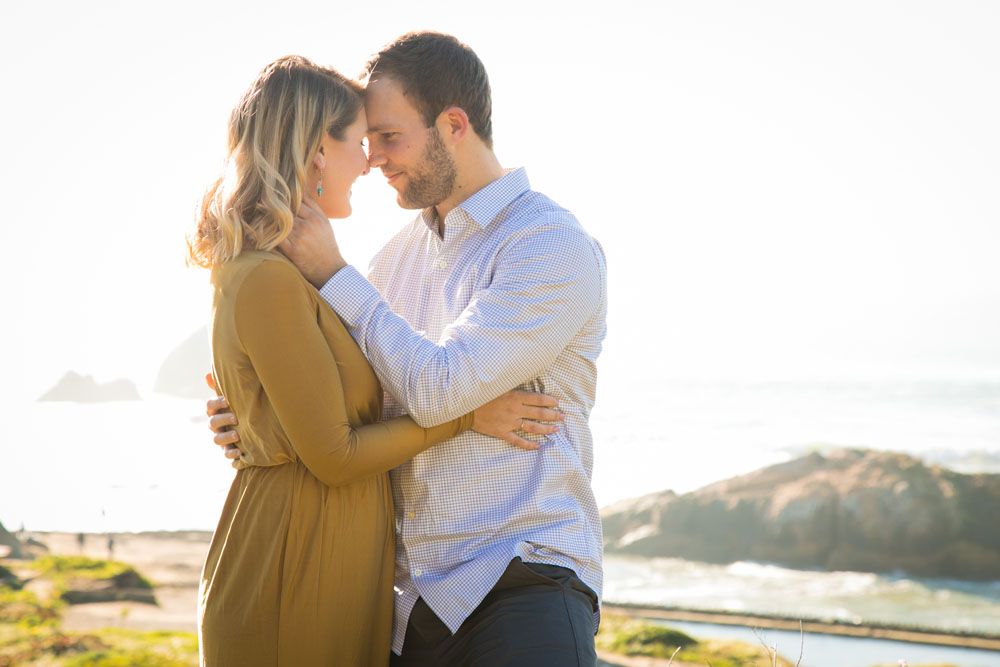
<point x="437" y="71"/>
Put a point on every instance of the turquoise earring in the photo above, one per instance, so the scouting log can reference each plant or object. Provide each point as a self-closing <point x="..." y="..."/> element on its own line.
<point x="319" y="186"/>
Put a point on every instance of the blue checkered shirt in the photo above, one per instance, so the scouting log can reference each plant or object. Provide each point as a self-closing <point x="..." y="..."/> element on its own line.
<point x="514" y="295"/>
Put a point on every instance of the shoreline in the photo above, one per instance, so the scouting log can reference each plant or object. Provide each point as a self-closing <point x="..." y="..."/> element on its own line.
<point x="900" y="633"/>
<point x="172" y="560"/>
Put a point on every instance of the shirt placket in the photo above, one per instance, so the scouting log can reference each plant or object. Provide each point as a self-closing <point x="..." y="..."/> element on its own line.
<point x="439" y="270"/>
<point x="448" y="265"/>
<point x="415" y="514"/>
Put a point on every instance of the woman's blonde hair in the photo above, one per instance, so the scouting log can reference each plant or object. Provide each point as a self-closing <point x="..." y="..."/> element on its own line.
<point x="274" y="132"/>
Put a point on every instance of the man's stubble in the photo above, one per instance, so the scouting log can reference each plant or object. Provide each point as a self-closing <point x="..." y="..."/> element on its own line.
<point x="434" y="179"/>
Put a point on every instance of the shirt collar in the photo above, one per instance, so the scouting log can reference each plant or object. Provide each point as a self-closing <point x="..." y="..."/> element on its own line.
<point x="487" y="203"/>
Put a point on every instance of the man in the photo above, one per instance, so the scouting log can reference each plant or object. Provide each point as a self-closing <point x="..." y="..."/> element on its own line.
<point x="492" y="286"/>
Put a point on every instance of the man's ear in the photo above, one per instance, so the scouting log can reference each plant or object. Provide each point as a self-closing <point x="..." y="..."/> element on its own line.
<point x="319" y="161"/>
<point x="453" y="124"/>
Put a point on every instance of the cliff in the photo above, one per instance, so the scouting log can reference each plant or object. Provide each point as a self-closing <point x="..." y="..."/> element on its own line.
<point x="9" y="544"/>
<point x="853" y="510"/>
<point x="77" y="388"/>
<point x="183" y="371"/>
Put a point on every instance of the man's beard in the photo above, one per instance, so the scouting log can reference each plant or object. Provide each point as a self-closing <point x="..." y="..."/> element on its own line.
<point x="433" y="181"/>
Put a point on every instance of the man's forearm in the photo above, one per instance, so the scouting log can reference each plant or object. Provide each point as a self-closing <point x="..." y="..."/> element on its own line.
<point x="433" y="383"/>
<point x="507" y="336"/>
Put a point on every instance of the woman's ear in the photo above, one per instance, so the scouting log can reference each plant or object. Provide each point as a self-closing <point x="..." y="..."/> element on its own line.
<point x="320" y="160"/>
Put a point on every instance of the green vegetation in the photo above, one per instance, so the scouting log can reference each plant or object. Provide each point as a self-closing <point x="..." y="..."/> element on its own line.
<point x="126" y="648"/>
<point x="30" y="632"/>
<point x="30" y="635"/>
<point x="24" y="609"/>
<point x="104" y="648"/>
<point x="77" y="579"/>
<point x="632" y="636"/>
<point x="41" y="646"/>
<point x="62" y="568"/>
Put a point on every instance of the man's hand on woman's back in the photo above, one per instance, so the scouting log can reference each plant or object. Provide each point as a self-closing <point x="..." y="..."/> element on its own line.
<point x="222" y="422"/>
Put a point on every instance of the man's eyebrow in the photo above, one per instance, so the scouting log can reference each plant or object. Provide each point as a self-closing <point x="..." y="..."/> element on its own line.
<point x="376" y="129"/>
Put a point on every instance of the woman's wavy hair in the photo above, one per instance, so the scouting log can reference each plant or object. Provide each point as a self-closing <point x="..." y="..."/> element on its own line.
<point x="274" y="132"/>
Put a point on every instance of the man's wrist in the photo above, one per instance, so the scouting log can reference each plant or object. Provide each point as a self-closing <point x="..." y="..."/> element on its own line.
<point x="349" y="294"/>
<point x="338" y="264"/>
<point x="330" y="271"/>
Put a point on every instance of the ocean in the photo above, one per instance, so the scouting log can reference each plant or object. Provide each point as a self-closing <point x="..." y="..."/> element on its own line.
<point x="151" y="465"/>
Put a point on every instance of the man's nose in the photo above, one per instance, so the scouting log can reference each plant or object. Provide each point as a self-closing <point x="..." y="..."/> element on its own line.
<point x="375" y="157"/>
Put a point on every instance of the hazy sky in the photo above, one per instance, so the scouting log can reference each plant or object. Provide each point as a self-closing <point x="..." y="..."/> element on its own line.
<point x="781" y="187"/>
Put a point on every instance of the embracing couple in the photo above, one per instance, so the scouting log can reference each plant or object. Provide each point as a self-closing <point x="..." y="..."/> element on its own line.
<point x="413" y="452"/>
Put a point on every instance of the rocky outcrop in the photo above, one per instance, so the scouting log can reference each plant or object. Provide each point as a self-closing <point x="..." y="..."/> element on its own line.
<point x="10" y="546"/>
<point x="77" y="388"/>
<point x="183" y="371"/>
<point x="125" y="586"/>
<point x="853" y="510"/>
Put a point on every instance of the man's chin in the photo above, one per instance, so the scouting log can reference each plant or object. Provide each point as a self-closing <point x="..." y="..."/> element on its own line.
<point x="404" y="203"/>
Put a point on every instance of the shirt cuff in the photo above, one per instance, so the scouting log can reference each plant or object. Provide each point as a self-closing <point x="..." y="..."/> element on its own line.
<point x="349" y="294"/>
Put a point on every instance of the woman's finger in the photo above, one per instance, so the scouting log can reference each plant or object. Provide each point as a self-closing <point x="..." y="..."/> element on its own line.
<point x="520" y="442"/>
<point x="534" y="398"/>
<point x="542" y="414"/>
<point x="537" y="428"/>
<point x="232" y="452"/>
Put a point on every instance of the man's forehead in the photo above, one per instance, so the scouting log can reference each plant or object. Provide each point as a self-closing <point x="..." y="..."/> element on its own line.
<point x="385" y="104"/>
<point x="382" y="86"/>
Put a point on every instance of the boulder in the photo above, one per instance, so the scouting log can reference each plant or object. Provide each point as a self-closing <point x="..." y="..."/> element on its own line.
<point x="852" y="510"/>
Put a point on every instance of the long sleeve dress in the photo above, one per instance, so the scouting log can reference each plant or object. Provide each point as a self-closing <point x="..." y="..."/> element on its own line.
<point x="300" y="569"/>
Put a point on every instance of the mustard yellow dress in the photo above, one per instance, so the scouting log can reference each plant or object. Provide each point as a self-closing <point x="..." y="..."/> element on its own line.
<point x="300" y="569"/>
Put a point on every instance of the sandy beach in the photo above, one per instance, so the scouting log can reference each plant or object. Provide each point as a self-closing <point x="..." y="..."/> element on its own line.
<point x="171" y="560"/>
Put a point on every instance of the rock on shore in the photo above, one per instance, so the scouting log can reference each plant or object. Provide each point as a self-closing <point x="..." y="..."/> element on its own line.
<point x="853" y="510"/>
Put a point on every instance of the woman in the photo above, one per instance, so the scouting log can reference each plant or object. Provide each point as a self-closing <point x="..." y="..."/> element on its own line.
<point x="300" y="569"/>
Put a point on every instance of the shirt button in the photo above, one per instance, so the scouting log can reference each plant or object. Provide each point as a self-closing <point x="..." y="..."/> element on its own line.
<point x="442" y="264"/>
<point x="411" y="515"/>
<point x="417" y="572"/>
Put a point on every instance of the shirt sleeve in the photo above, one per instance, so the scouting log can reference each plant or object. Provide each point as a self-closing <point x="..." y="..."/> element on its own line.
<point x="547" y="282"/>
<point x="276" y="319"/>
